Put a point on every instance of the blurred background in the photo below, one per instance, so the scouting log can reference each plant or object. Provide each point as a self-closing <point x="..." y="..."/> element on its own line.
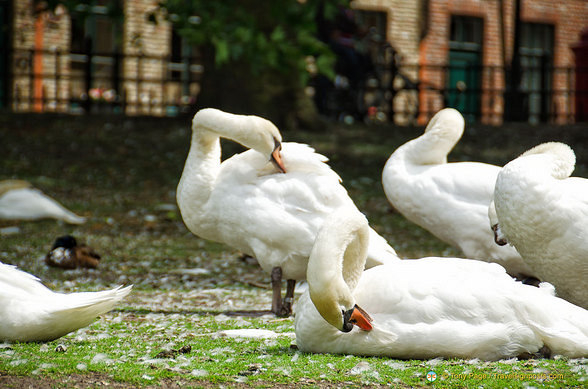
<point x="299" y="62"/>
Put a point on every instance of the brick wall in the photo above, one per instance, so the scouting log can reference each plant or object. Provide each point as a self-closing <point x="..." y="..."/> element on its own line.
<point x="569" y="17"/>
<point x="403" y="32"/>
<point x="50" y="32"/>
<point x="35" y="75"/>
<point x="152" y="40"/>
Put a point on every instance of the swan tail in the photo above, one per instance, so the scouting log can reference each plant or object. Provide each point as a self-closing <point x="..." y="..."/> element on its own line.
<point x="68" y="313"/>
<point x="379" y="251"/>
<point x="561" y="325"/>
<point x="51" y="208"/>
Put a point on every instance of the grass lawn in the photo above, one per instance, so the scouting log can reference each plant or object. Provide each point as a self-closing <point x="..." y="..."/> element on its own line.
<point x="177" y="326"/>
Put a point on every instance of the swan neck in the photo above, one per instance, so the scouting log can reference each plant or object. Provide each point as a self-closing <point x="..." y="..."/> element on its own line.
<point x="431" y="148"/>
<point x="200" y="169"/>
<point x="336" y="263"/>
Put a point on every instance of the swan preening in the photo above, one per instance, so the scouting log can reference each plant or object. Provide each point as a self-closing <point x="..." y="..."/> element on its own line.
<point x="450" y="200"/>
<point x="268" y="201"/>
<point x="543" y="212"/>
<point x="425" y="308"/>
<point x="20" y="201"/>
<point x="30" y="312"/>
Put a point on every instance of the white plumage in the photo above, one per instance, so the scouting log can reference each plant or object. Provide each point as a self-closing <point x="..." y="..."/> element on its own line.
<point x="20" y="201"/>
<point x="450" y="200"/>
<point x="543" y="212"/>
<point x="29" y="311"/>
<point x="247" y="203"/>
<point x="426" y="308"/>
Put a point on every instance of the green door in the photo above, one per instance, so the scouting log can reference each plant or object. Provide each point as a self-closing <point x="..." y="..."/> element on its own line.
<point x="465" y="66"/>
<point x="463" y="89"/>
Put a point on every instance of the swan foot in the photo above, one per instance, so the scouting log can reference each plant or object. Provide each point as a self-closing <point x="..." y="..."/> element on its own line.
<point x="543" y="352"/>
<point x="248" y="259"/>
<point x="281" y="308"/>
<point x="288" y="299"/>
<point x="531" y="281"/>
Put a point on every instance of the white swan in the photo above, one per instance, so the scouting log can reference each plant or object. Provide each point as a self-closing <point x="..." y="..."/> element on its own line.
<point x="30" y="312"/>
<point x="250" y="204"/>
<point x="543" y="212"/>
<point x="425" y="308"/>
<point x="450" y="200"/>
<point x="20" y="201"/>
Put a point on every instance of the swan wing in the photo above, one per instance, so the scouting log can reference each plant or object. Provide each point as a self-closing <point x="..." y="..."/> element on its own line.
<point x="451" y="201"/>
<point x="272" y="215"/>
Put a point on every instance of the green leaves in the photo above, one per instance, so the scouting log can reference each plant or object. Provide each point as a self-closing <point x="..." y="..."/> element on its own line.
<point x="268" y="36"/>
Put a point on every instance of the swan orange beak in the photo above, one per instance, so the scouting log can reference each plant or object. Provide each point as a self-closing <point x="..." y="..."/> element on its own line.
<point x="276" y="157"/>
<point x="360" y="318"/>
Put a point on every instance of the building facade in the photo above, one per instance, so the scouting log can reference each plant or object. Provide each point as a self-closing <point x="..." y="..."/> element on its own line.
<point x="491" y="59"/>
<point x="110" y="56"/>
<point x="494" y="60"/>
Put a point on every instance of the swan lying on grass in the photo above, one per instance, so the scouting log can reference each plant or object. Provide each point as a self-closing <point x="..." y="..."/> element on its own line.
<point x="426" y="308"/>
<point x="20" y="201"/>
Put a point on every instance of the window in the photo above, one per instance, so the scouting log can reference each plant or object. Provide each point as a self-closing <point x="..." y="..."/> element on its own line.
<point x="536" y="53"/>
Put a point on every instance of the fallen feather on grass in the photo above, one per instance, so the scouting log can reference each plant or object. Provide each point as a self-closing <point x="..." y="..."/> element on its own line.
<point x="192" y="272"/>
<point x="253" y="333"/>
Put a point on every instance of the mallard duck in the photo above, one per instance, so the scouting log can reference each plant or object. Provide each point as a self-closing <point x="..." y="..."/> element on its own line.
<point x="67" y="254"/>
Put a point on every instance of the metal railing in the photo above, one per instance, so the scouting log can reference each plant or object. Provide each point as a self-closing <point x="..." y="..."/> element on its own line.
<point x="137" y="84"/>
<point x="80" y="83"/>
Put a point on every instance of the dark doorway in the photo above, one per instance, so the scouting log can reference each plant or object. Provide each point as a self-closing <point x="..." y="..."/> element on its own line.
<point x="465" y="63"/>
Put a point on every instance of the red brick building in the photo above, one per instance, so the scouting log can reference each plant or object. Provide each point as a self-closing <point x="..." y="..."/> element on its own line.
<point x="475" y="32"/>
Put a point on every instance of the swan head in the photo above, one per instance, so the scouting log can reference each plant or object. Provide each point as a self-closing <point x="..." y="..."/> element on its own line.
<point x="335" y="265"/>
<point x="263" y="136"/>
<point x="499" y="237"/>
<point x="251" y="131"/>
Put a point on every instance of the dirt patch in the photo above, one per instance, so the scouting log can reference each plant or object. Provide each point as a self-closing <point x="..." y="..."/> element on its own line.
<point x="103" y="380"/>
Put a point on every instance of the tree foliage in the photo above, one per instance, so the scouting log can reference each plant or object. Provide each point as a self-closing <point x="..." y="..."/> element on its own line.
<point x="275" y="35"/>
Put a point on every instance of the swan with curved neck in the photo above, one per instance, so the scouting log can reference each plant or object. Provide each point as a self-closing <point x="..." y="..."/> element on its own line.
<point x="268" y="201"/>
<point x="450" y="200"/>
<point x="543" y="212"/>
<point x="426" y="308"/>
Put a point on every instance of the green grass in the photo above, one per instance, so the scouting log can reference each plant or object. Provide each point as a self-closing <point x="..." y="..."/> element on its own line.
<point x="119" y="172"/>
